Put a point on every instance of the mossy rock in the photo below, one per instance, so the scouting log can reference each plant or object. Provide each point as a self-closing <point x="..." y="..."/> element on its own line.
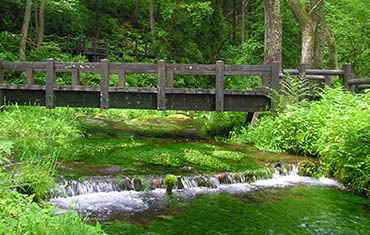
<point x="308" y="168"/>
<point x="178" y="117"/>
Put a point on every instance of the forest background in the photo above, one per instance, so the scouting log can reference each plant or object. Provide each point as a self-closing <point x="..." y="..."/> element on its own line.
<point x="189" y="31"/>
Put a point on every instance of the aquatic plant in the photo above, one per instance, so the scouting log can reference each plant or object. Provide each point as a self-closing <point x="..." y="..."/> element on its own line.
<point x="170" y="182"/>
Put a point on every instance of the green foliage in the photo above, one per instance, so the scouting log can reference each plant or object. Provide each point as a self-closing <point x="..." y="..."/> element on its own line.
<point x="336" y="128"/>
<point x="220" y="124"/>
<point x="20" y="215"/>
<point x="294" y="89"/>
<point x="18" y="121"/>
<point x="350" y="24"/>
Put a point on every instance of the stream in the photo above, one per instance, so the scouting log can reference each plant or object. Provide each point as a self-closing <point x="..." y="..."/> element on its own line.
<point x="115" y="176"/>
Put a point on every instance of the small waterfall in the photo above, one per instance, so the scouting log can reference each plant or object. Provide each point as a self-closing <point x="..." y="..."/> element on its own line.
<point x="106" y="197"/>
<point x="89" y="185"/>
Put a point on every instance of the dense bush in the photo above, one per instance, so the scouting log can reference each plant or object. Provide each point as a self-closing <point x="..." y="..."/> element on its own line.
<point x="336" y="128"/>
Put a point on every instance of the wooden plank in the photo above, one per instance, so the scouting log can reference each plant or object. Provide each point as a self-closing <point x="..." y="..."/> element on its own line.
<point x="315" y="72"/>
<point x="75" y="77"/>
<point x="169" y="78"/>
<point x="316" y="77"/>
<point x="133" y="90"/>
<point x="161" y="95"/>
<point x="220" y="68"/>
<point x="328" y="81"/>
<point x="1" y="71"/>
<point x="134" y="68"/>
<point x="275" y="72"/>
<point x="21" y="66"/>
<point x="30" y="80"/>
<point x="91" y="67"/>
<point x="194" y="69"/>
<point x="266" y="79"/>
<point x="50" y="82"/>
<point x="122" y="77"/>
<point x="257" y="68"/>
<point x="359" y="81"/>
<point x="347" y="68"/>
<point x="244" y="73"/>
<point x="22" y="87"/>
<point x="77" y="88"/>
<point x="190" y="91"/>
<point x="104" y="92"/>
<point x="1" y="82"/>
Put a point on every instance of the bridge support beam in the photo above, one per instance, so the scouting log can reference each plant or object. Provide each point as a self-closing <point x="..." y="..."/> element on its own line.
<point x="50" y="82"/>
<point x="275" y="70"/>
<point x="161" y="94"/>
<point x="1" y="82"/>
<point x="347" y="68"/>
<point x="220" y="72"/>
<point x="104" y="88"/>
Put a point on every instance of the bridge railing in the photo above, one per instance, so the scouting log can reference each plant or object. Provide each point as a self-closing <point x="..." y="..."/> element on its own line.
<point x="349" y="81"/>
<point x="167" y="97"/>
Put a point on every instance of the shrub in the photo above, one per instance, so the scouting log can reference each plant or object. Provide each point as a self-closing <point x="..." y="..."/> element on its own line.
<point x="335" y="128"/>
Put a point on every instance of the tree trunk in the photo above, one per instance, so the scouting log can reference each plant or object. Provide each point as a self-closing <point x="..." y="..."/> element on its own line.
<point x="234" y="23"/>
<point x="135" y="13"/>
<point x="36" y="11"/>
<point x="244" y="4"/>
<point x="307" y="28"/>
<point x="24" y="32"/>
<point x="332" y="49"/>
<point x="318" y="14"/>
<point x="273" y="32"/>
<point x="151" y="16"/>
<point x="40" y="35"/>
<point x="158" y="17"/>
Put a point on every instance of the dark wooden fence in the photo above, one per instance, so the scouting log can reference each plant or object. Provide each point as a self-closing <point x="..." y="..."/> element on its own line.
<point x="349" y="81"/>
<point x="97" y="49"/>
<point x="165" y="96"/>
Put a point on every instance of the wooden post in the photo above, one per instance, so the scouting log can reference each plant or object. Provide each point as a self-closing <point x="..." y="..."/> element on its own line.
<point x="1" y="82"/>
<point x="104" y="95"/>
<point x="275" y="71"/>
<point x="220" y="71"/>
<point x="50" y="82"/>
<point x="122" y="78"/>
<point x="170" y="78"/>
<point x="161" y="94"/>
<point x="29" y="76"/>
<point x="328" y="80"/>
<point x="1" y="71"/>
<point x="347" y="68"/>
<point x="75" y="76"/>
<point x="301" y="69"/>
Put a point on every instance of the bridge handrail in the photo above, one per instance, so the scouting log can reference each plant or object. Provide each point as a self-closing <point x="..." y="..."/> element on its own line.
<point x="164" y="71"/>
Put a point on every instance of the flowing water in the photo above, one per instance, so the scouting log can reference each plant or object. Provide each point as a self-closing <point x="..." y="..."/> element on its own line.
<point x="264" y="195"/>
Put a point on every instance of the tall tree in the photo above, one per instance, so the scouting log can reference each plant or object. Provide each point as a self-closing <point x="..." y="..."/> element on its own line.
<point x="24" y="32"/>
<point x="40" y="28"/>
<point x="307" y="30"/>
<point x="244" y="5"/>
<point x="273" y="32"/>
<point x="151" y="18"/>
<point x="314" y="30"/>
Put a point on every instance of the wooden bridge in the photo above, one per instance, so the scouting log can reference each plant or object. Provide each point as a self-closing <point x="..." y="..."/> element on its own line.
<point x="164" y="96"/>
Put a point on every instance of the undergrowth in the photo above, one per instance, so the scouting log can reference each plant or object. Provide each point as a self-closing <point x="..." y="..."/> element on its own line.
<point x="336" y="128"/>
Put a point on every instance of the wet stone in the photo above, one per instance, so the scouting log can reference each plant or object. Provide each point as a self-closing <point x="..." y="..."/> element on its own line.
<point x="138" y="185"/>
